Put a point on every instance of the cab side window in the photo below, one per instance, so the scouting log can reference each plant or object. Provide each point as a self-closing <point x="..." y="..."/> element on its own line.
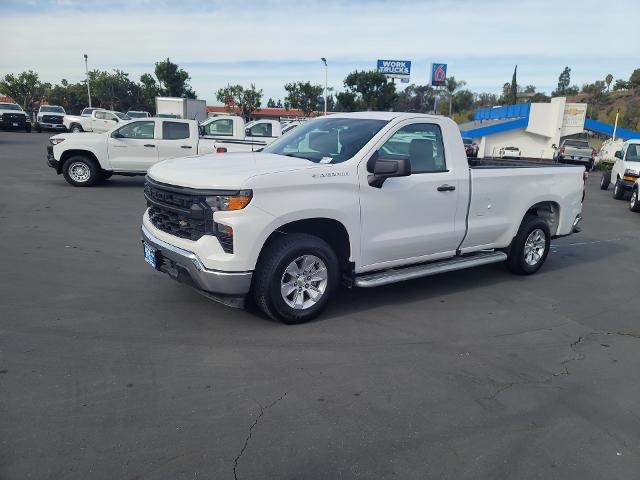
<point x="140" y="130"/>
<point x="633" y="153"/>
<point x="100" y="116"/>
<point x="261" y="130"/>
<point x="220" y="127"/>
<point x="175" y="130"/>
<point x="421" y="144"/>
<point x="110" y="116"/>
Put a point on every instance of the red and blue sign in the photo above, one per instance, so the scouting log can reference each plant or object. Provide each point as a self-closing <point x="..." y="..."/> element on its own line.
<point x="438" y="74"/>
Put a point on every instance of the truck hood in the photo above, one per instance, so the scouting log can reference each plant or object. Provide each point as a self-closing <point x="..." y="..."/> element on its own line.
<point x="85" y="138"/>
<point x="18" y="112"/>
<point x="223" y="170"/>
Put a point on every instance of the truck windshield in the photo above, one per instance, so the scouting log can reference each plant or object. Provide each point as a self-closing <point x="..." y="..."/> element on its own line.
<point x="327" y="139"/>
<point x="576" y="143"/>
<point x="47" y="109"/>
<point x="122" y="116"/>
<point x="10" y="106"/>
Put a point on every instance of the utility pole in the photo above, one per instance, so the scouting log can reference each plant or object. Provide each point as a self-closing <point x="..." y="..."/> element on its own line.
<point x="326" y="77"/>
<point x="86" y="68"/>
<point x="615" y="126"/>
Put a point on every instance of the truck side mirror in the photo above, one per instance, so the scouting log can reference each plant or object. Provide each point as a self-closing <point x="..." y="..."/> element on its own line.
<point x="554" y="146"/>
<point x="618" y="154"/>
<point x="383" y="168"/>
<point x="247" y="132"/>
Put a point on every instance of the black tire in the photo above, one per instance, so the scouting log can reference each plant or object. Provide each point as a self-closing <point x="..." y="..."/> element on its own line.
<point x="559" y="159"/>
<point x="105" y="175"/>
<point x="618" y="191"/>
<point x="605" y="181"/>
<point x="270" y="272"/>
<point x="517" y="258"/>
<point x="590" y="166"/>
<point x="72" y="170"/>
<point x="634" y="202"/>
<point x="75" y="128"/>
<point x="38" y="128"/>
<point x="27" y="128"/>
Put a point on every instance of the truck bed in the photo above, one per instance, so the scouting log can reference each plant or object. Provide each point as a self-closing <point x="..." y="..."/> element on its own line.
<point x="512" y="163"/>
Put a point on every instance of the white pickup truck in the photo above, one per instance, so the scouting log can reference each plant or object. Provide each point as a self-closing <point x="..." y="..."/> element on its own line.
<point x="366" y="198"/>
<point x="233" y="135"/>
<point x="129" y="149"/>
<point x="98" y="121"/>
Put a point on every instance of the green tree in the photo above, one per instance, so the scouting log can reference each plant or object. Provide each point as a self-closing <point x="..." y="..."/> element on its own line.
<point x="271" y="103"/>
<point x="174" y="81"/>
<point x="346" y="102"/>
<point x="72" y="96"/>
<point x="463" y="101"/>
<point x="634" y="79"/>
<point x="608" y="79"/>
<point x="370" y="90"/>
<point x="513" y="88"/>
<point x="236" y="98"/>
<point x="563" y="82"/>
<point x="149" y="90"/>
<point x="621" y="85"/>
<point x="451" y="86"/>
<point x="114" y="91"/>
<point x="25" y="88"/>
<point x="303" y="96"/>
<point x="415" y="98"/>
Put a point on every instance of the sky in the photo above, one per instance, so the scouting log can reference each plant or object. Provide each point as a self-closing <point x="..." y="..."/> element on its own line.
<point x="272" y="42"/>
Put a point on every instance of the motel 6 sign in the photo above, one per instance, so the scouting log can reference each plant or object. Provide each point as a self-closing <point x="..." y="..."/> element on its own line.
<point x="438" y="74"/>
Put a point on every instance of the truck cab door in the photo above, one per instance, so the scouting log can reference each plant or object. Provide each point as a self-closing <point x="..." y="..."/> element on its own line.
<point x="417" y="217"/>
<point x="133" y="147"/>
<point x="177" y="140"/>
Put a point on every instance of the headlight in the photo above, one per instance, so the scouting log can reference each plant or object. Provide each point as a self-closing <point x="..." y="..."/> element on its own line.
<point x="56" y="141"/>
<point x="631" y="172"/>
<point x="39" y="118"/>
<point x="229" y="202"/>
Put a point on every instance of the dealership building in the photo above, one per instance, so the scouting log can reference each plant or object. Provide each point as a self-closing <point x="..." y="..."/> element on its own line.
<point x="533" y="127"/>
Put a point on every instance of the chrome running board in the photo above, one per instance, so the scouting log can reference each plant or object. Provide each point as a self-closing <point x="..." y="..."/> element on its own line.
<point x="394" y="275"/>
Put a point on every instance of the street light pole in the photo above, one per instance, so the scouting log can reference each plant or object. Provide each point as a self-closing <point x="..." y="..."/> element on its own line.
<point x="86" y="68"/>
<point x="326" y="76"/>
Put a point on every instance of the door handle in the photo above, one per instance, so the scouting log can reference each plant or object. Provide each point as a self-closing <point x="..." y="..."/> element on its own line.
<point x="185" y="146"/>
<point x="446" y="188"/>
<point x="150" y="145"/>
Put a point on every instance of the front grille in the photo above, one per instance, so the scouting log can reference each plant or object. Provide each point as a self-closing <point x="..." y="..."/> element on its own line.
<point x="182" y="212"/>
<point x="14" y="117"/>
<point x="52" y="119"/>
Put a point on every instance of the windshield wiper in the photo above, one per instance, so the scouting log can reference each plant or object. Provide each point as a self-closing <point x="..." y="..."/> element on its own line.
<point x="297" y="155"/>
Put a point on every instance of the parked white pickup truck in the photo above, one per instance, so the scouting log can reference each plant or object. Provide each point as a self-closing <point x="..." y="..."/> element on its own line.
<point x="126" y="150"/>
<point x="625" y="171"/>
<point x="233" y="135"/>
<point x="99" y="121"/>
<point x="367" y="198"/>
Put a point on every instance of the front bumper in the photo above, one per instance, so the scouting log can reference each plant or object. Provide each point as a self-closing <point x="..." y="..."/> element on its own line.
<point x="185" y="267"/>
<point x="52" y="126"/>
<point x="51" y="161"/>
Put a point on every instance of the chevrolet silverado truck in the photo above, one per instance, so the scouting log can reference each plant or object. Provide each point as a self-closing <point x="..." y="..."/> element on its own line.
<point x="99" y="121"/>
<point x="50" y="117"/>
<point x="12" y="117"/>
<point x="233" y="135"/>
<point x="129" y="149"/>
<point x="575" y="151"/>
<point x="367" y="199"/>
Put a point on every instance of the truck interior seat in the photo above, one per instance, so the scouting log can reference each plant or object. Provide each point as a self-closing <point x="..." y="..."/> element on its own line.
<point x="421" y="155"/>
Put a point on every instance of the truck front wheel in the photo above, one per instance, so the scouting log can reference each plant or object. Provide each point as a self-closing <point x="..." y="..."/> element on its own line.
<point x="634" y="202"/>
<point x="75" y="128"/>
<point x="618" y="191"/>
<point x="605" y="180"/>
<point x="80" y="171"/>
<point x="295" y="278"/>
<point x="530" y="246"/>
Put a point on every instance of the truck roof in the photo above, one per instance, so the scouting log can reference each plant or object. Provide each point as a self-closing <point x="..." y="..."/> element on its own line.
<point x="381" y="115"/>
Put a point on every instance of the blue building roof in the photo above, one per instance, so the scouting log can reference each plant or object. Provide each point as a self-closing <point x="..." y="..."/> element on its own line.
<point x="605" y="128"/>
<point x="507" y="111"/>
<point x="496" y="128"/>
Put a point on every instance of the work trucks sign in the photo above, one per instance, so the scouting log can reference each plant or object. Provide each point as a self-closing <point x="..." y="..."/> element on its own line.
<point x="395" y="69"/>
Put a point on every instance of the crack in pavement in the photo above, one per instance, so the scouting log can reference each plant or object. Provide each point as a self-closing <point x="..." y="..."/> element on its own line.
<point x="248" y="437"/>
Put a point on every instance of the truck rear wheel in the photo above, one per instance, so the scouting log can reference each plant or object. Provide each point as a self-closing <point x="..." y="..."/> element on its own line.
<point x="530" y="246"/>
<point x="80" y="171"/>
<point x="295" y="278"/>
<point x="605" y="180"/>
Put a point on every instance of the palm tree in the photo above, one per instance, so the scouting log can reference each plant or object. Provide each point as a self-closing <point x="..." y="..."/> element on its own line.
<point x="451" y="85"/>
<point x="608" y="79"/>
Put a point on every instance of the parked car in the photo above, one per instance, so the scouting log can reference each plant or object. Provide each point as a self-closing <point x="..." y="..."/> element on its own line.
<point x="137" y="114"/>
<point x="470" y="147"/>
<point x="50" y="117"/>
<point x="233" y="135"/>
<point x="128" y="149"/>
<point x="367" y="198"/>
<point x="509" y="152"/>
<point x="575" y="151"/>
<point x="625" y="171"/>
<point x="634" y="201"/>
<point x="87" y="111"/>
<point x="12" y="117"/>
<point x="99" y="121"/>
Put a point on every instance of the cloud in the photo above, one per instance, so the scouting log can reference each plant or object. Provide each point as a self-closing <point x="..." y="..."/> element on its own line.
<point x="276" y="41"/>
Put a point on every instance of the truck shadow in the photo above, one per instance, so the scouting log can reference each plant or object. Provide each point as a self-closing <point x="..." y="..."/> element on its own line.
<point x="566" y="261"/>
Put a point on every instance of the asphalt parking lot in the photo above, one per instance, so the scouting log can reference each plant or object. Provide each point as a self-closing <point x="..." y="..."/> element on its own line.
<point x="109" y="370"/>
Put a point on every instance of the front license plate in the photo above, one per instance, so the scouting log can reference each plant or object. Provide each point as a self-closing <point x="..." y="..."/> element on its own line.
<point x="15" y="124"/>
<point x="149" y="255"/>
<point x="576" y="158"/>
